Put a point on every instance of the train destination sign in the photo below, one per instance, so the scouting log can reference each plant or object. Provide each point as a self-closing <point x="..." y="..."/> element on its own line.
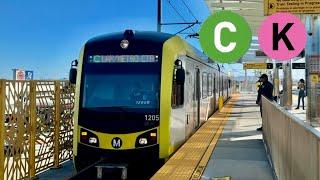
<point x="291" y="6"/>
<point x="123" y="59"/>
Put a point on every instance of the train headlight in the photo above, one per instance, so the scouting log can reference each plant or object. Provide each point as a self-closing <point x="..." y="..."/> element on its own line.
<point x="124" y="44"/>
<point x="93" y="140"/>
<point x="143" y="141"/>
<point x="146" y="139"/>
<point x="89" y="138"/>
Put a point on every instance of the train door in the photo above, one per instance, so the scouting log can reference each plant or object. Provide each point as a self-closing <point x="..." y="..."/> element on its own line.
<point x="189" y="92"/>
<point x="214" y="92"/>
<point x="196" y="99"/>
<point x="218" y="84"/>
<point x="227" y="84"/>
<point x="222" y="87"/>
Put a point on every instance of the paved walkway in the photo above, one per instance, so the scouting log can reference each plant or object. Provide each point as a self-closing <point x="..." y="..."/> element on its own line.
<point x="300" y="113"/>
<point x="240" y="152"/>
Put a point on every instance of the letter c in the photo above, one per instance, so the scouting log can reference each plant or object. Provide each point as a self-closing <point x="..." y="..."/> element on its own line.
<point x="217" y="37"/>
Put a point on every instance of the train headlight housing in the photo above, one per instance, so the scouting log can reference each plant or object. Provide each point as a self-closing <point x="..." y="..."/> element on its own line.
<point x="89" y="138"/>
<point x="143" y="141"/>
<point x="147" y="138"/>
<point x="93" y="140"/>
<point x="124" y="44"/>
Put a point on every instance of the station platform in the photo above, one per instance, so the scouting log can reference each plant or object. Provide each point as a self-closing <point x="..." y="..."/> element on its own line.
<point x="227" y="146"/>
<point x="300" y="113"/>
<point x="231" y="148"/>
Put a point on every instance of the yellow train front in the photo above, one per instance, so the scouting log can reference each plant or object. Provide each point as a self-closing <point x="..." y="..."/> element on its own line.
<point x="139" y="96"/>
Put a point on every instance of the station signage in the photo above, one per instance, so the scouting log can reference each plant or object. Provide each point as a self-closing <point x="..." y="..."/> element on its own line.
<point x="257" y="66"/>
<point x="28" y="75"/>
<point x="298" y="65"/>
<point x="234" y="42"/>
<point x="314" y="78"/>
<point x="292" y="6"/>
<point x="314" y="63"/>
<point x="270" y="65"/>
<point x="21" y="75"/>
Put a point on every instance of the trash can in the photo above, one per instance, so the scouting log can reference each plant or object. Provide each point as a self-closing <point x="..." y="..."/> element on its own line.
<point x="281" y="98"/>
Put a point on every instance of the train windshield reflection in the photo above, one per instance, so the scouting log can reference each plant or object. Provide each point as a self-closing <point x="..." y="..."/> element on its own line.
<point x="121" y="90"/>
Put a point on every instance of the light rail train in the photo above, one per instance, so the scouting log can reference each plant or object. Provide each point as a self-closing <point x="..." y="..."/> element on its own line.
<point x="139" y="96"/>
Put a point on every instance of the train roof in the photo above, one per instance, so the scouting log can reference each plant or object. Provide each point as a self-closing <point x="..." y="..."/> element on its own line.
<point x="202" y="57"/>
<point x="135" y="35"/>
<point x="155" y="37"/>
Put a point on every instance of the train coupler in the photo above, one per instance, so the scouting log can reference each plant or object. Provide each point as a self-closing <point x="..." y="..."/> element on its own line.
<point x="101" y="167"/>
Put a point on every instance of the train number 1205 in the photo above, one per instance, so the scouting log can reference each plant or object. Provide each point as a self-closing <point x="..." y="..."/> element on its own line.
<point x="152" y="117"/>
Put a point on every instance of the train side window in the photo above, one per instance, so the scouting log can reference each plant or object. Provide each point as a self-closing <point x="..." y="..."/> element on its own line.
<point x="222" y="88"/>
<point x="204" y="85"/>
<point x="215" y="86"/>
<point x="177" y="98"/>
<point x="209" y="84"/>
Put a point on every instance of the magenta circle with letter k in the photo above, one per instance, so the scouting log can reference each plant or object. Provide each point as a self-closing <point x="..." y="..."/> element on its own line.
<point x="282" y="36"/>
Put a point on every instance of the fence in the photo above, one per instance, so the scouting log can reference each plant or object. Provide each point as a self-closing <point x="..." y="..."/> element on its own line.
<point x="36" y="126"/>
<point x="294" y="146"/>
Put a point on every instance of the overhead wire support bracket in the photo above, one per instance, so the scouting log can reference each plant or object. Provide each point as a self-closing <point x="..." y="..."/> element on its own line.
<point x="194" y="35"/>
<point x="185" y="28"/>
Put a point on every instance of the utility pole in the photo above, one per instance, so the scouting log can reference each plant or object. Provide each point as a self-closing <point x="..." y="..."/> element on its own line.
<point x="159" y="7"/>
<point x="312" y="23"/>
<point x="245" y="81"/>
<point x="275" y="81"/>
<point x="287" y="85"/>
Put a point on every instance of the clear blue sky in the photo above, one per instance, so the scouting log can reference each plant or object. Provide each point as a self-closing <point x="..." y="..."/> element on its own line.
<point x="45" y="36"/>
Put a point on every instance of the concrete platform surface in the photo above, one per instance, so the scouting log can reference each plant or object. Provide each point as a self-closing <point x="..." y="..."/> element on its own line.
<point x="240" y="152"/>
<point x="300" y="113"/>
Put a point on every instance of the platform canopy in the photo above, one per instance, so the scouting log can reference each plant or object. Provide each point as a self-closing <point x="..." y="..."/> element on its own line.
<point x="251" y="10"/>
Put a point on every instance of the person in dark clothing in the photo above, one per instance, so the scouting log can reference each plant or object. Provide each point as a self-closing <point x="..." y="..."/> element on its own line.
<point x="266" y="90"/>
<point x="301" y="87"/>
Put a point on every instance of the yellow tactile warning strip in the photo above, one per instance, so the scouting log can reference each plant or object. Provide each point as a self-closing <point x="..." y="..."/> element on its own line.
<point x="191" y="159"/>
<point x="222" y="178"/>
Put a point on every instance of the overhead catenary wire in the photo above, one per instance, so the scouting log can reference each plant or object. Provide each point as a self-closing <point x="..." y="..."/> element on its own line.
<point x="180" y="15"/>
<point x="185" y="4"/>
<point x="176" y="10"/>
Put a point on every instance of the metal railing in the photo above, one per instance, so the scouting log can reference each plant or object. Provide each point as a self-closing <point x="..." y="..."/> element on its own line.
<point x="294" y="146"/>
<point x="36" y="126"/>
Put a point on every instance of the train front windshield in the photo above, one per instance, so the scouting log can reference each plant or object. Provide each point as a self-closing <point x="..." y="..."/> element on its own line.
<point x="126" y="90"/>
<point x="121" y="81"/>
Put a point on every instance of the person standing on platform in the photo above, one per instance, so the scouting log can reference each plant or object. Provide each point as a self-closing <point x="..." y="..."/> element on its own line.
<point x="266" y="90"/>
<point x="301" y="87"/>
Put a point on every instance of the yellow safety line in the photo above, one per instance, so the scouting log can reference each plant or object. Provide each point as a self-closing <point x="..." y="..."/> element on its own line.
<point x="205" y="159"/>
<point x="193" y="153"/>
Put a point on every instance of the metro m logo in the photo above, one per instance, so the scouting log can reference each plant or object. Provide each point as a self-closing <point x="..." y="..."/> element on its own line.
<point x="116" y="143"/>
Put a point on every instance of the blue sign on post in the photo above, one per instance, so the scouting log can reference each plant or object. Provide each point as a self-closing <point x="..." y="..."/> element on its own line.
<point x="29" y="75"/>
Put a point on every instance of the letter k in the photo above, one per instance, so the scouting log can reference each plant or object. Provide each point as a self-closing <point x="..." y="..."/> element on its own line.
<point x="282" y="35"/>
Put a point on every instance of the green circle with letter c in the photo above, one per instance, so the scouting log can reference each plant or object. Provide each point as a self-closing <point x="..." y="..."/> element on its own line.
<point x="225" y="36"/>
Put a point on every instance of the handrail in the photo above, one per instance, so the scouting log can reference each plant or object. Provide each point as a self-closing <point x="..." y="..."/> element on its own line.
<point x="304" y="124"/>
<point x="293" y="145"/>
